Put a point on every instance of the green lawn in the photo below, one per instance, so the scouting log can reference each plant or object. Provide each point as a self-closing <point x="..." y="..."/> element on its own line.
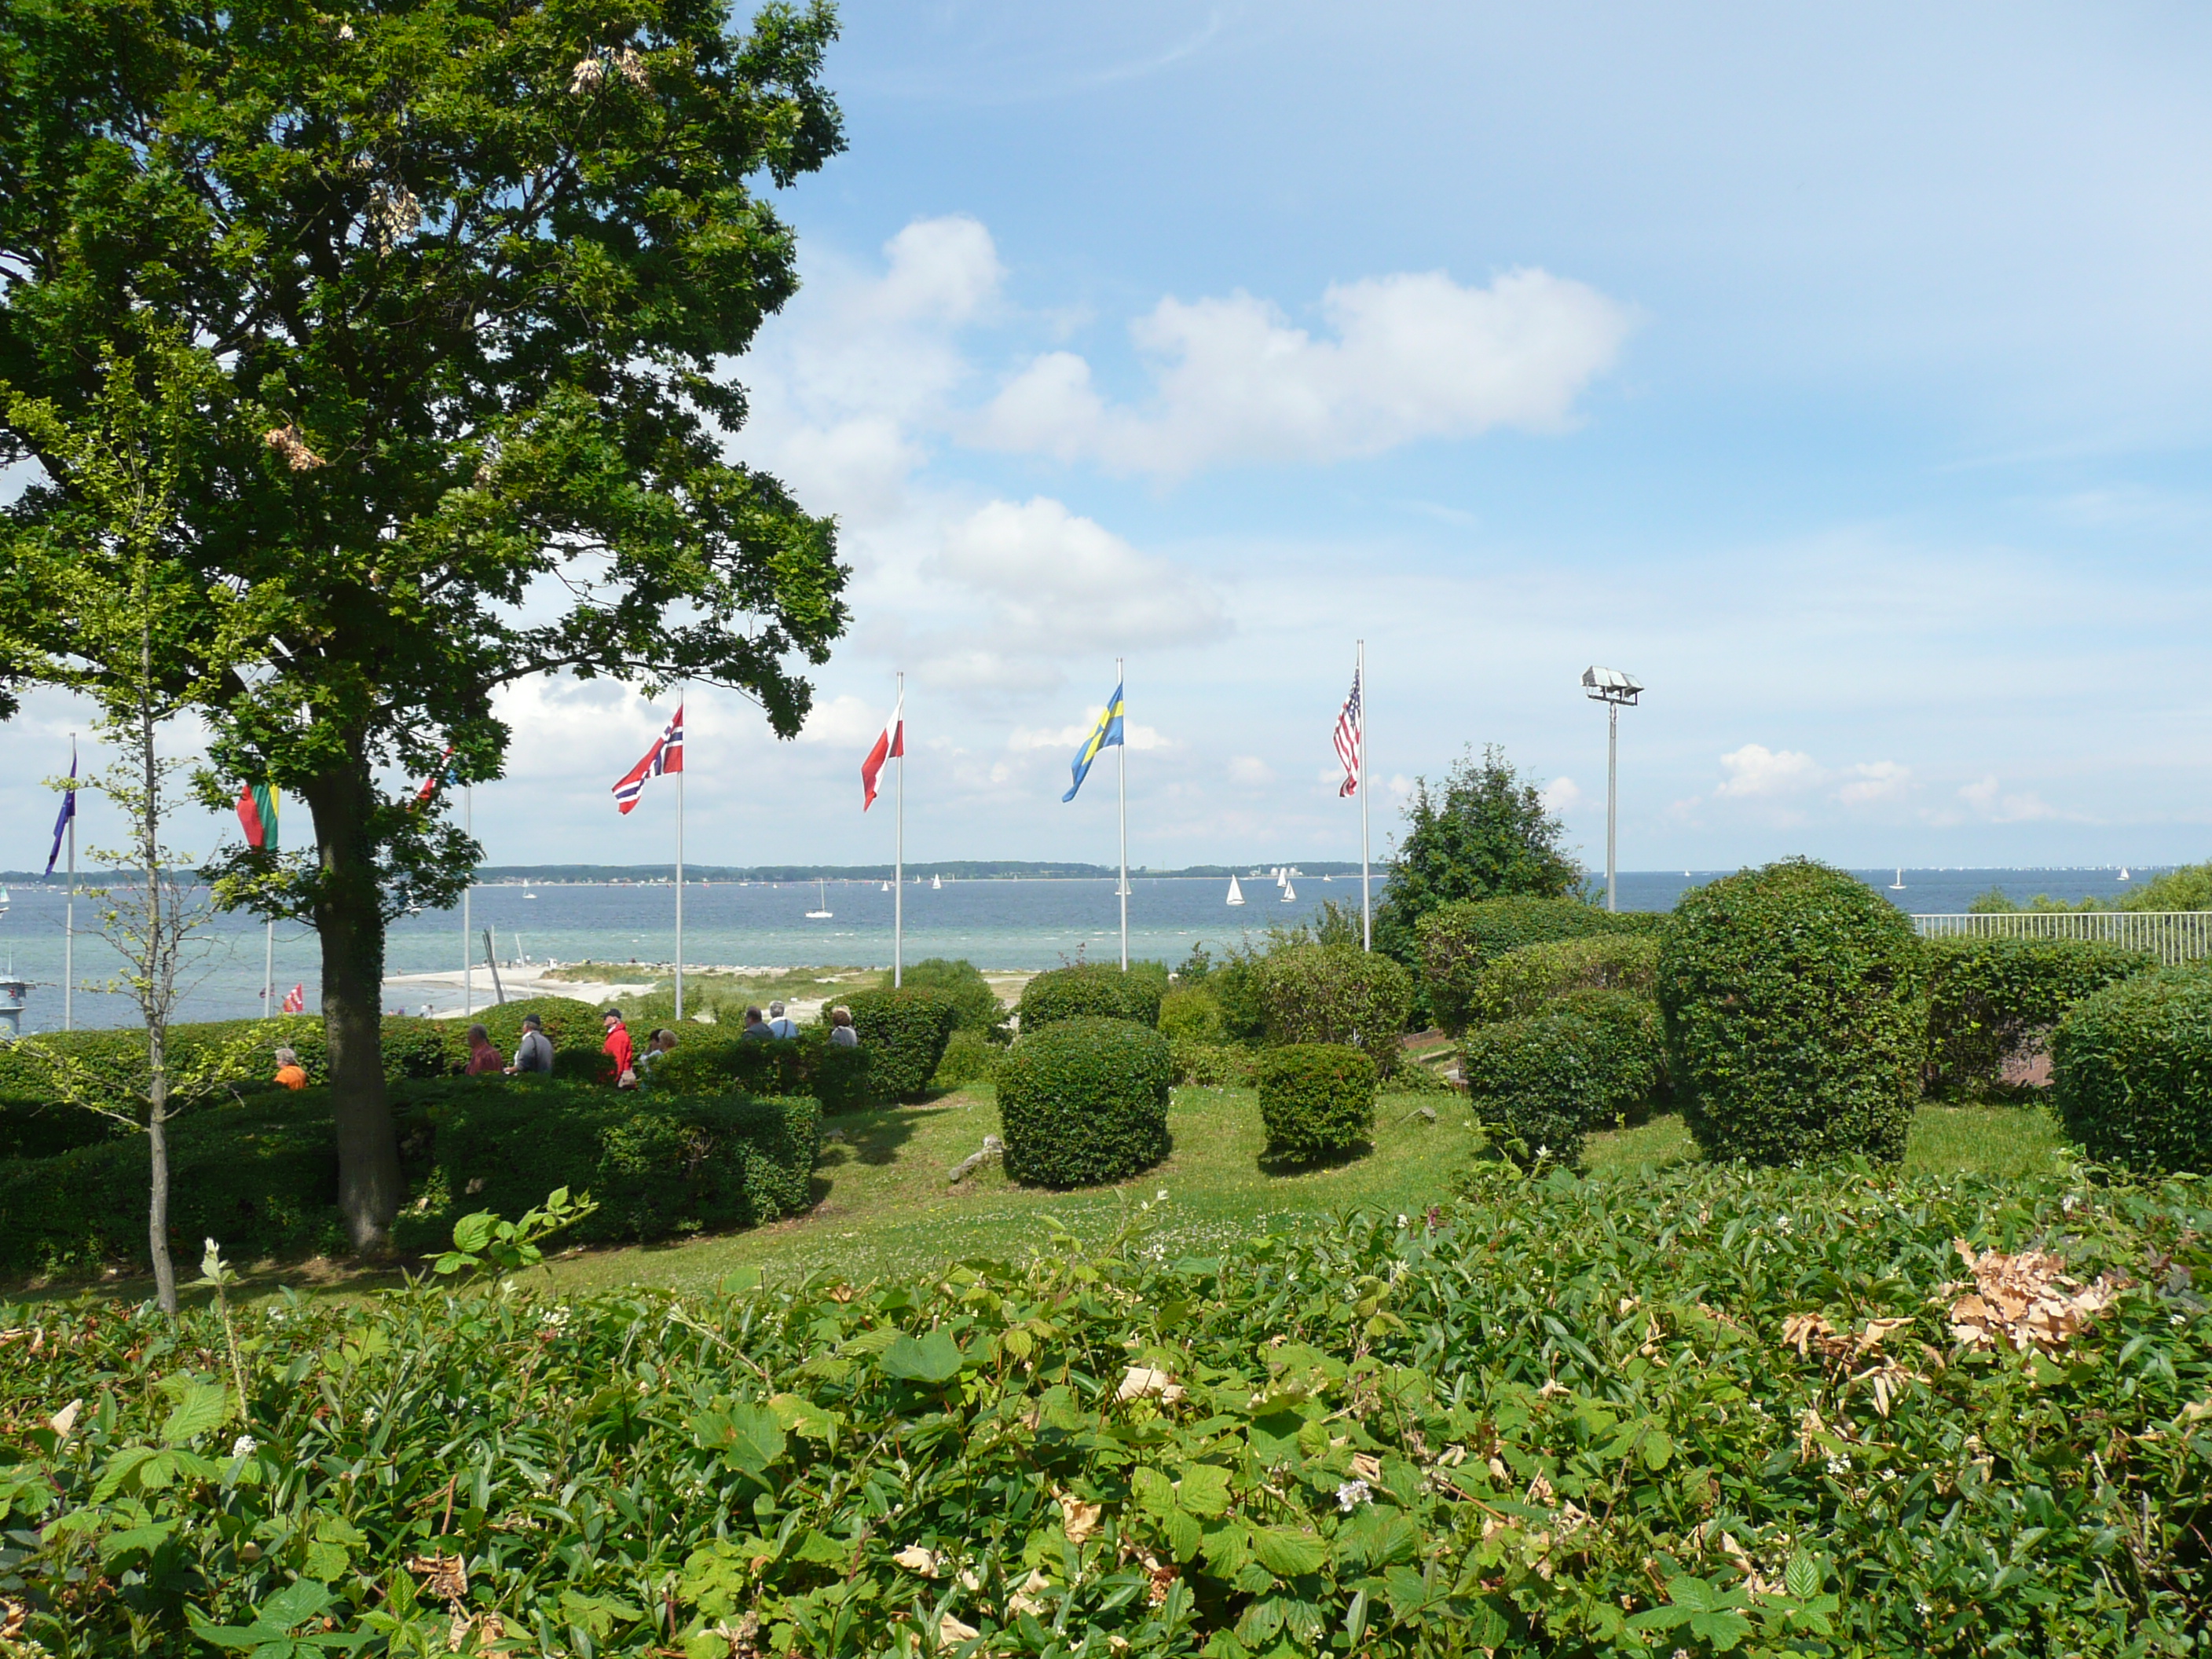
<point x="885" y="1207"/>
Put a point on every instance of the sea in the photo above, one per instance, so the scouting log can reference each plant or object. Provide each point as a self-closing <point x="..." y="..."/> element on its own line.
<point x="1013" y="924"/>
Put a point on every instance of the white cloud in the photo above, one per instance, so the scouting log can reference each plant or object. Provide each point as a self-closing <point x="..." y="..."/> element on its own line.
<point x="1249" y="769"/>
<point x="1416" y="356"/>
<point x="1876" y="780"/>
<point x="1562" y="795"/>
<point x="1755" y="770"/>
<point x="2022" y="806"/>
<point x="846" y="721"/>
<point x="1026" y="738"/>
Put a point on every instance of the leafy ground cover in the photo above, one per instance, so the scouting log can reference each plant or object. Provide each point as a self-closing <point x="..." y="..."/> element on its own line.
<point x="1698" y="1410"/>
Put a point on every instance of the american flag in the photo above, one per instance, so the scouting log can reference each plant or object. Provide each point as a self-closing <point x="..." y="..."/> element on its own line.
<point x="1347" y="739"/>
<point x="667" y="755"/>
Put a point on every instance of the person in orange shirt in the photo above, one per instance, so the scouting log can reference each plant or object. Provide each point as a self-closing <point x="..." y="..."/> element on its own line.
<point x="289" y="1072"/>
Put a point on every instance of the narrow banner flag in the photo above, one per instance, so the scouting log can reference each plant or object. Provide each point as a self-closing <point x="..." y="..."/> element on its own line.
<point x="667" y="755"/>
<point x="1106" y="733"/>
<point x="443" y="774"/>
<point x="257" y="813"/>
<point x="68" y="812"/>
<point x="890" y="744"/>
<point x="1347" y="739"/>
<point x="295" y="999"/>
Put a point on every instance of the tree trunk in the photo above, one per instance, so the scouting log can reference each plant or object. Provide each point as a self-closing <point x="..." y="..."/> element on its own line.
<point x="349" y="914"/>
<point x="157" y="1211"/>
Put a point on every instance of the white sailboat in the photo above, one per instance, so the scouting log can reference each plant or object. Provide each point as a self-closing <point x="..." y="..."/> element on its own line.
<point x="821" y="915"/>
<point x="1290" y="893"/>
<point x="2124" y="876"/>
<point x="887" y="887"/>
<point x="936" y="884"/>
<point x="1235" y="893"/>
<point x="1898" y="886"/>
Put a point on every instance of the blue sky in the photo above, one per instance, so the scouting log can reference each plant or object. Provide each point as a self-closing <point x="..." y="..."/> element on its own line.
<point x="1841" y="373"/>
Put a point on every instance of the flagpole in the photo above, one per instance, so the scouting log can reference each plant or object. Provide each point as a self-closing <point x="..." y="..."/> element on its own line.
<point x="69" y="916"/>
<point x="468" y="956"/>
<point x="679" y="870"/>
<point x="1122" y="779"/>
<point x="898" y="853"/>
<point x="269" y="969"/>
<point x="1366" y="906"/>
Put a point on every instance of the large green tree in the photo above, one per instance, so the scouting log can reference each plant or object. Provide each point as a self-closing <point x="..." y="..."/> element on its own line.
<point x="1484" y="833"/>
<point x="462" y="276"/>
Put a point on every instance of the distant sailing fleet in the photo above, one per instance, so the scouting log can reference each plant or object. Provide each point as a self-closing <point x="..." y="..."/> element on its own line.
<point x="1282" y="874"/>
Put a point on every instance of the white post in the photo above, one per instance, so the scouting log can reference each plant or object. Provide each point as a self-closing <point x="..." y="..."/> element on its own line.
<point x="1611" y="754"/>
<point x="1366" y="904"/>
<point x="680" y="868"/>
<point x="898" y="845"/>
<point x="269" y="971"/>
<point x="468" y="944"/>
<point x="69" y="918"/>
<point x="1122" y="779"/>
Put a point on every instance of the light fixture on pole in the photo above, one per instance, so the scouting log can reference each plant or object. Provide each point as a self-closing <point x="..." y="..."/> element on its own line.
<point x="1616" y="690"/>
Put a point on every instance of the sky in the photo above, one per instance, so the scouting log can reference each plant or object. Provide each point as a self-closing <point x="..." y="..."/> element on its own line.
<point x="1845" y="375"/>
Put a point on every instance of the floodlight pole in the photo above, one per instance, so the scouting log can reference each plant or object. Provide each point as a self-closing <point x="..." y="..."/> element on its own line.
<point x="1611" y="794"/>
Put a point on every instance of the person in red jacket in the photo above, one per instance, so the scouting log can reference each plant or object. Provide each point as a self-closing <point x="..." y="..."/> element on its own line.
<point x="617" y="1048"/>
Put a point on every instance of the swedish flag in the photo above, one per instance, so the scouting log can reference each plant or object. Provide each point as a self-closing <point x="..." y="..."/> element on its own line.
<point x="1106" y="734"/>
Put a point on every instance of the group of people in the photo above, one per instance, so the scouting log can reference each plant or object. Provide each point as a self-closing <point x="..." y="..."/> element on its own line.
<point x="533" y="1055"/>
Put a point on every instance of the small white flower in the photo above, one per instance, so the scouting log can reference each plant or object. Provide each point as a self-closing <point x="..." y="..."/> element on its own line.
<point x="1162" y="1194"/>
<point x="345" y="31"/>
<point x="1401" y="1218"/>
<point x="1352" y="1494"/>
<point x="244" y="1446"/>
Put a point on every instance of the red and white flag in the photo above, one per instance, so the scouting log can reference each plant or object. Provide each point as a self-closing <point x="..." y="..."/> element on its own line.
<point x="1347" y="739"/>
<point x="889" y="745"/>
<point x="295" y="999"/>
<point x="667" y="755"/>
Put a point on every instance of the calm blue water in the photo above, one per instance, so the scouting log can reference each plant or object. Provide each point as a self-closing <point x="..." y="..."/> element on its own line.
<point x="994" y="924"/>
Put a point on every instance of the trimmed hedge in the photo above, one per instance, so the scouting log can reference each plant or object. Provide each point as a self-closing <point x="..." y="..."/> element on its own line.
<point x="970" y="1057"/>
<point x="1588" y="1060"/>
<point x="1191" y="1013"/>
<point x="904" y="1033"/>
<point x="1337" y="993"/>
<point x="1083" y="1102"/>
<point x="975" y="1006"/>
<point x="1316" y="1100"/>
<point x="573" y="1027"/>
<point x="706" y="1063"/>
<point x="658" y="1165"/>
<point x="1455" y="942"/>
<point x="1523" y="980"/>
<point x="2131" y="1072"/>
<point x="1212" y="1065"/>
<point x="1796" y="1025"/>
<point x="1991" y="1001"/>
<point x="1091" y="990"/>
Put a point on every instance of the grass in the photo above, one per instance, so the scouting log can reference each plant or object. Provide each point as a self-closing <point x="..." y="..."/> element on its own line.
<point x="885" y="1207"/>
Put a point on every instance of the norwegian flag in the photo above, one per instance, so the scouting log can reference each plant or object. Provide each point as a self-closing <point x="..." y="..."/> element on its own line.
<point x="890" y="742"/>
<point x="1347" y="739"/>
<point x="667" y="755"/>
<point x="295" y="999"/>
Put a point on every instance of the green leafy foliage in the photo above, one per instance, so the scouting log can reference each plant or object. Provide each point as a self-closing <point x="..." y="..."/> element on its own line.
<point x="1456" y="942"/>
<point x="1992" y="1002"/>
<point x="1212" y="1065"/>
<point x="903" y="1033"/>
<point x="1192" y="1013"/>
<point x="2131" y="1072"/>
<point x="485" y="1242"/>
<point x="1233" y="982"/>
<point x="1084" y="1100"/>
<point x="1316" y="1099"/>
<point x="1485" y="833"/>
<point x="970" y="1057"/>
<point x="1091" y="990"/>
<point x="1524" y="979"/>
<point x="573" y="1028"/>
<point x="1337" y="993"/>
<point x="1555" y="1416"/>
<point x="975" y="1006"/>
<point x="1795" y="1019"/>
<point x="1589" y="1060"/>
<point x="2188" y="888"/>
<point x="709" y="1061"/>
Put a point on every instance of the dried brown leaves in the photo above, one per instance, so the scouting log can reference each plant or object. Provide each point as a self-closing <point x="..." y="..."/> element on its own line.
<point x="286" y="441"/>
<point x="2026" y="1300"/>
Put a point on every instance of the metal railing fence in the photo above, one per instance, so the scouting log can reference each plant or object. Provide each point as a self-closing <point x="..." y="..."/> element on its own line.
<point x="2171" y="936"/>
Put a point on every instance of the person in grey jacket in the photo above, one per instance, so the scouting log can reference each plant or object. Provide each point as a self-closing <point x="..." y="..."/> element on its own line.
<point x="534" y="1053"/>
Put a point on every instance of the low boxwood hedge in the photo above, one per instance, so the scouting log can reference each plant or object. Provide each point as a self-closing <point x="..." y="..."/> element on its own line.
<point x="1337" y="993"/>
<point x="1525" y="978"/>
<point x="975" y="1006"/>
<point x="2131" y="1072"/>
<point x="658" y="1165"/>
<point x="1083" y="1102"/>
<point x="1192" y="1013"/>
<point x="1316" y="1100"/>
<point x="1993" y="1002"/>
<point x="1212" y="1065"/>
<point x="970" y="1057"/>
<point x="1590" y="1059"/>
<point x="1796" y="1022"/>
<point x="1455" y="942"/>
<point x="904" y="1033"/>
<point x="707" y="1060"/>
<point x="1093" y="990"/>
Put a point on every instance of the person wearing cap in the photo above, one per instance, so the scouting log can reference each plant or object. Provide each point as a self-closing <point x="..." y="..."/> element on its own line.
<point x="778" y="1026"/>
<point x="289" y="1072"/>
<point x="533" y="1055"/>
<point x="617" y="1048"/>
<point x="483" y="1058"/>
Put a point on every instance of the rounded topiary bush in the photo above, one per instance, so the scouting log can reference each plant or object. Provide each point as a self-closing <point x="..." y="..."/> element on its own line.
<point x="1191" y="1013"/>
<point x="1524" y="979"/>
<point x="1588" y="1060"/>
<point x="1084" y="1100"/>
<point x="1794" y="1018"/>
<point x="1094" y="991"/>
<point x="1337" y="993"/>
<point x="975" y="1006"/>
<point x="904" y="1033"/>
<point x="1455" y="942"/>
<point x="2131" y="1072"/>
<point x="1316" y="1099"/>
